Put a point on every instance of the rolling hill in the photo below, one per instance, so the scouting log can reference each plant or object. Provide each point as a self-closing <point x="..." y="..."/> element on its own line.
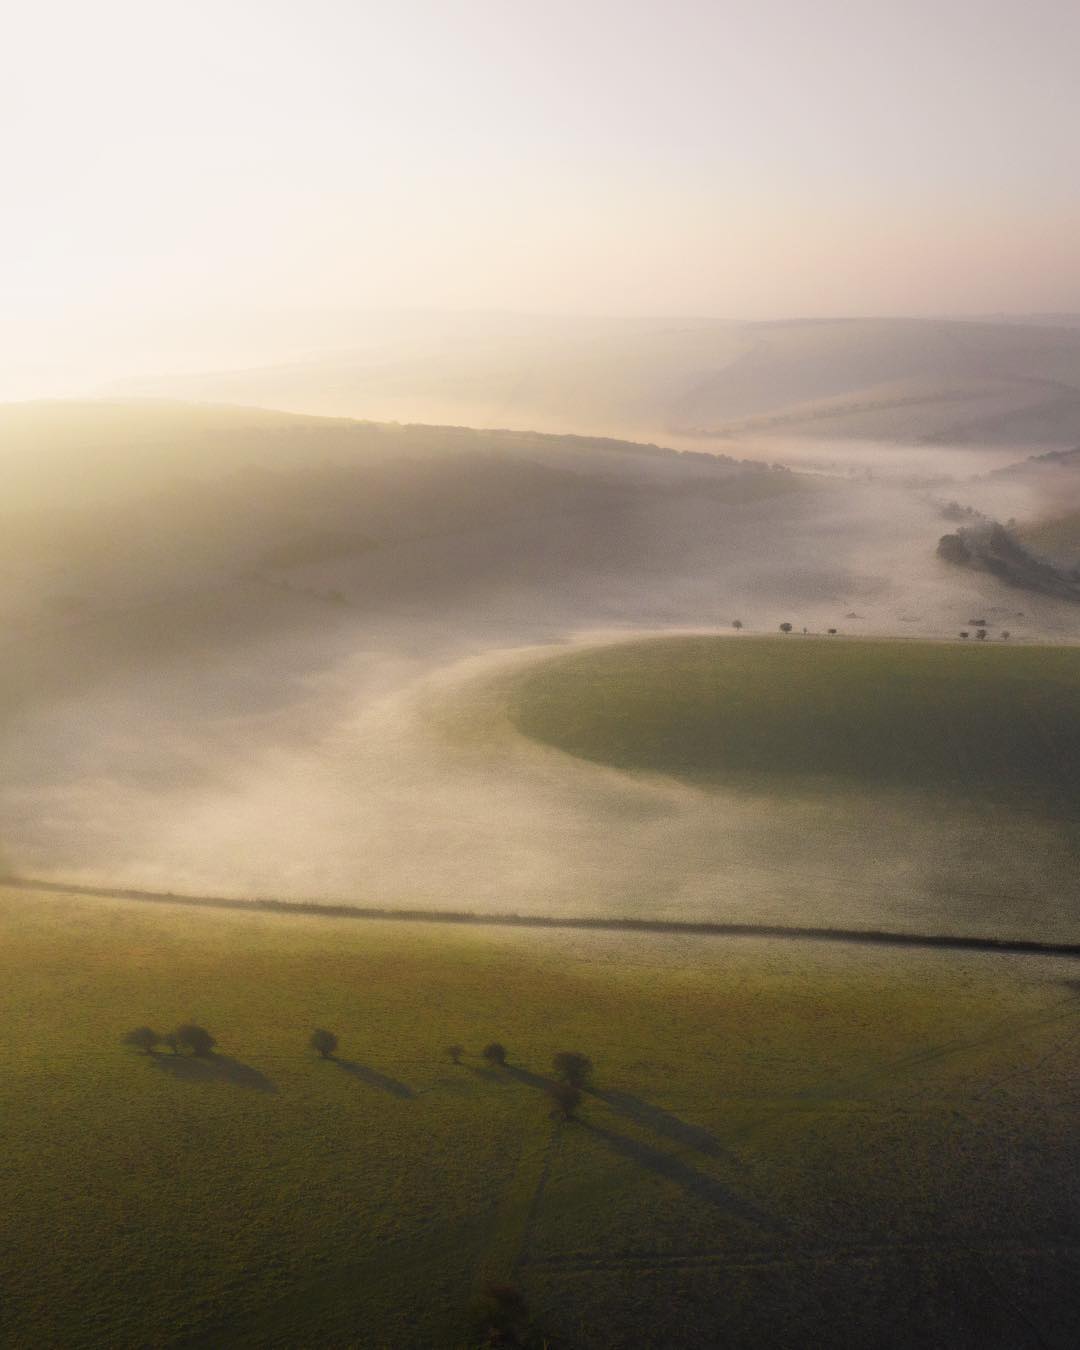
<point x="949" y="382"/>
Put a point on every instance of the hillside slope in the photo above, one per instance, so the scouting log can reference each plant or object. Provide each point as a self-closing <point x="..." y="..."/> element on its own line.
<point x="944" y="381"/>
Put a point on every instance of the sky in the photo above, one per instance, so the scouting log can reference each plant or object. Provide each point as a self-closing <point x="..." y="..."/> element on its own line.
<point x="181" y="178"/>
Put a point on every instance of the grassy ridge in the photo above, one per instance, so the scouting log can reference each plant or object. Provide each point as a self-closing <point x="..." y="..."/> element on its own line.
<point x="996" y="723"/>
<point x="761" y="1158"/>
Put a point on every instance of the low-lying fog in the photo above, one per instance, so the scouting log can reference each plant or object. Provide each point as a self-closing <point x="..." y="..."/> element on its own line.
<point x="324" y="728"/>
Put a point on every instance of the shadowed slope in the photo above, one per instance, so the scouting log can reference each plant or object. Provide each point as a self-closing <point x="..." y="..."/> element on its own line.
<point x="998" y="724"/>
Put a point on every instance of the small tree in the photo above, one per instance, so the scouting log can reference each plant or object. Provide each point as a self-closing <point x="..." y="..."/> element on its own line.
<point x="736" y="624"/>
<point x="965" y="634"/>
<point x="495" y="1053"/>
<point x="573" y="1067"/>
<point x="832" y="632"/>
<point x="785" y="628"/>
<point x="144" y="1039"/>
<point x="455" y="1052"/>
<point x="980" y="633"/>
<point x="1005" y="635"/>
<point x="566" y="1097"/>
<point x="196" y="1039"/>
<point x="325" y="1042"/>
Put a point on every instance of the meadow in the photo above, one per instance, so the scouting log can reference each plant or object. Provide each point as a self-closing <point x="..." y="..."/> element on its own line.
<point x="784" y="1143"/>
<point x="981" y="720"/>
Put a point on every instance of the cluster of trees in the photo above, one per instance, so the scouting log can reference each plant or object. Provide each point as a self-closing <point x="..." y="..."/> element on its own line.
<point x="982" y="633"/>
<point x="737" y="624"/>
<point x="572" y="1072"/>
<point x="572" y="1069"/>
<point x="195" y="1039"/>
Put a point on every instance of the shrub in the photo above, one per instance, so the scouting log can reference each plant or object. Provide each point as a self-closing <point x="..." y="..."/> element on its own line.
<point x="573" y="1067"/>
<point x="495" y="1053"/>
<point x="196" y="1039"/>
<point x="144" y="1039"/>
<point x="325" y="1042"/>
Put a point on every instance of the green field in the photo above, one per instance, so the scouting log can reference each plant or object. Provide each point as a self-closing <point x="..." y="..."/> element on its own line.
<point x="789" y="1143"/>
<point x="986" y="722"/>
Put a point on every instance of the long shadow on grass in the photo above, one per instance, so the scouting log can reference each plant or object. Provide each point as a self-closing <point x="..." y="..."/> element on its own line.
<point x="642" y="1113"/>
<point x="214" y="1069"/>
<point x="374" y="1078"/>
<point x="682" y="1174"/>
<point x="661" y="1122"/>
<point x="536" y="1080"/>
<point x="488" y="1075"/>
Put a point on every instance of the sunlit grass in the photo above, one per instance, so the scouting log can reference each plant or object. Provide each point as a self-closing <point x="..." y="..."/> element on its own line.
<point x="749" y="1098"/>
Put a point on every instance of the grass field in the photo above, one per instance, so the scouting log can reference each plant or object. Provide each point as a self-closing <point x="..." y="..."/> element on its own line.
<point x="788" y="1143"/>
<point x="994" y="723"/>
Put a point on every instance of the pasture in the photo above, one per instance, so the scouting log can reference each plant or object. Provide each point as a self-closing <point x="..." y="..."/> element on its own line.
<point x="984" y="721"/>
<point x="786" y="1143"/>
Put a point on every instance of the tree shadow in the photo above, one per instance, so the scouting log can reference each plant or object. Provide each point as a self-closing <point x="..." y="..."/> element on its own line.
<point x="536" y="1080"/>
<point x="214" y="1069"/>
<point x="662" y="1122"/>
<point x="682" y="1174"/>
<point x="374" y="1078"/>
<point x="488" y="1075"/>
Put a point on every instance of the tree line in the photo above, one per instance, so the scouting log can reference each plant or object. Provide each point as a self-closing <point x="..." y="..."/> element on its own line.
<point x="572" y="1069"/>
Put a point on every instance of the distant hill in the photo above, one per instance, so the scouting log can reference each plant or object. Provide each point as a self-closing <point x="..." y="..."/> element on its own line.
<point x="131" y="519"/>
<point x="992" y="382"/>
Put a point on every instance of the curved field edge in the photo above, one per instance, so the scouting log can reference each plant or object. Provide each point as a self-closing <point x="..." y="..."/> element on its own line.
<point x="996" y="723"/>
<point x="753" y="1106"/>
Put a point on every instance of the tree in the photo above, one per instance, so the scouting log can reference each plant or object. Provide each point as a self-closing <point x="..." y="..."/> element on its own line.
<point x="455" y="1052"/>
<point x="196" y="1039"/>
<point x="736" y="624"/>
<point x="785" y="628"/>
<point x="1005" y="634"/>
<point x="965" y="634"/>
<point x="325" y="1042"/>
<point x="832" y="632"/>
<point x="495" y="1053"/>
<point x="573" y="1067"/>
<point x="953" y="549"/>
<point x="144" y="1039"/>
<point x="981" y="634"/>
<point x="566" y="1097"/>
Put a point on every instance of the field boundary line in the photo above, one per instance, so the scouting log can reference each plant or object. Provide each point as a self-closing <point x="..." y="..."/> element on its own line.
<point x="687" y="927"/>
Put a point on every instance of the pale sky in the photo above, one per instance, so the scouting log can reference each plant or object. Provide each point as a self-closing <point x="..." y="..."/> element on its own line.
<point x="171" y="163"/>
